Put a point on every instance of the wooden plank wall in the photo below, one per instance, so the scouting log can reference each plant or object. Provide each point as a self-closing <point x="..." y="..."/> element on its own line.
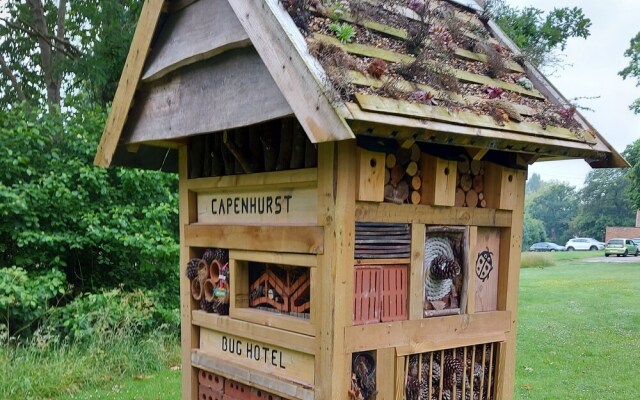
<point x="231" y="90"/>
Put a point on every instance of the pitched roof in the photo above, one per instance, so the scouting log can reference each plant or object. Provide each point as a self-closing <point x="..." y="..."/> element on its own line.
<point x="209" y="65"/>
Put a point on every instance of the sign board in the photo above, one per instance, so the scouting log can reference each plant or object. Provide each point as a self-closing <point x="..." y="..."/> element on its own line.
<point x="485" y="269"/>
<point x="284" y="363"/>
<point x="282" y="206"/>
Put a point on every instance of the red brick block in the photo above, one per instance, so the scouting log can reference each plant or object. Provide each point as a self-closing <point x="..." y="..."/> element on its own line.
<point x="257" y="394"/>
<point x="214" y="381"/>
<point x="206" y="393"/>
<point x="236" y="390"/>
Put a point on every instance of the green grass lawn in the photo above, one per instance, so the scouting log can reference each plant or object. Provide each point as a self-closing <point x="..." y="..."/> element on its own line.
<point x="579" y="330"/>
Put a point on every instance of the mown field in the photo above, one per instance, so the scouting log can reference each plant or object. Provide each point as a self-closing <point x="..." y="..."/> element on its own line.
<point x="578" y="338"/>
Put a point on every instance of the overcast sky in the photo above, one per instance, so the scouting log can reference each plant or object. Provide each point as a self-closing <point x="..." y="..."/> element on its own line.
<point x="594" y="72"/>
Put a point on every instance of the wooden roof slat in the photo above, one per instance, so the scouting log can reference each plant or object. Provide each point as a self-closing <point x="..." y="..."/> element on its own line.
<point x="392" y="106"/>
<point x="402" y="34"/>
<point x="360" y="79"/>
<point x="388" y="55"/>
<point x="197" y="32"/>
<point x="129" y="79"/>
<point x="299" y="76"/>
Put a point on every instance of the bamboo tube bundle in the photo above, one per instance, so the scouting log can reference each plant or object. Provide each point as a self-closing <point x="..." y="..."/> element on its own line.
<point x="470" y="184"/>
<point x="402" y="175"/>
<point x="277" y="145"/>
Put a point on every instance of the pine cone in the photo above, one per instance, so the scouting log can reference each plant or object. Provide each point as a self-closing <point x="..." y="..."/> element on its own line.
<point x="207" y="306"/>
<point x="222" y="255"/>
<point x="412" y="390"/>
<point x="443" y="267"/>
<point x="208" y="256"/>
<point x="452" y="365"/>
<point x="192" y="268"/>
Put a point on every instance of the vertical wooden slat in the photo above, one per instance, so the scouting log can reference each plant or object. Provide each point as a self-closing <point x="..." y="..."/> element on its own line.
<point x="484" y="357"/>
<point x="386" y="373"/>
<point x="431" y="374"/>
<point x="508" y="284"/>
<point x="473" y="370"/>
<point x="464" y="372"/>
<point x="441" y="374"/>
<point x="402" y="364"/>
<point x="471" y="288"/>
<point x="491" y="372"/>
<point x="416" y="277"/>
<point x="336" y="213"/>
<point x="188" y="213"/>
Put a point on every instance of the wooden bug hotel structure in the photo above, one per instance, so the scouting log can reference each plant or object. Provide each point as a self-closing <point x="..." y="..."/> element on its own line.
<point x="351" y="190"/>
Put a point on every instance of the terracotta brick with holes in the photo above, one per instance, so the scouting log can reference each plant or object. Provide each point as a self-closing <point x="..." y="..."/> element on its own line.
<point x="207" y="393"/>
<point x="394" y="293"/>
<point x="257" y="394"/>
<point x="215" y="382"/>
<point x="236" y="390"/>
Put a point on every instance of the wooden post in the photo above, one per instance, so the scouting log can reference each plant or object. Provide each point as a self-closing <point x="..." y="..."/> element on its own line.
<point x="416" y="276"/>
<point x="508" y="285"/>
<point x="336" y="212"/>
<point x="189" y="334"/>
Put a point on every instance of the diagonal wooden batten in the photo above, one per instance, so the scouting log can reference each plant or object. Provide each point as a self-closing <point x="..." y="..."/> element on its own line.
<point x="129" y="79"/>
<point x="360" y="79"/>
<point x="298" y="75"/>
<point x="391" y="106"/>
<point x="365" y="50"/>
<point x="391" y="56"/>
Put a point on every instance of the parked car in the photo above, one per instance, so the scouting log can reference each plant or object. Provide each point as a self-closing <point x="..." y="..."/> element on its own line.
<point x="636" y="241"/>
<point x="584" y="244"/>
<point x="621" y="247"/>
<point x="546" y="246"/>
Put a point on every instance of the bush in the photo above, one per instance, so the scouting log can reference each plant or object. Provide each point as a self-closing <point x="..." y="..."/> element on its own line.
<point x="109" y="313"/>
<point x="536" y="260"/>
<point x="25" y="297"/>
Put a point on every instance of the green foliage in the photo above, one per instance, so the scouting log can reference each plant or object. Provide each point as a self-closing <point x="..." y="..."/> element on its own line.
<point x="536" y="260"/>
<point x="88" y="58"/>
<point x="110" y="312"/>
<point x="102" y="228"/>
<point x="556" y="205"/>
<point x="604" y="201"/>
<point x="532" y="232"/>
<point x="536" y="34"/>
<point x="45" y="368"/>
<point x="344" y="32"/>
<point x="633" y="69"/>
<point x="632" y="155"/>
<point x="26" y="297"/>
<point x="533" y="184"/>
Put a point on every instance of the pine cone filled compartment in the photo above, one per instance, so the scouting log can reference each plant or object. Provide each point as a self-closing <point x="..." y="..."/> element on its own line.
<point x="209" y="277"/>
<point x="464" y="373"/>
<point x="446" y="254"/>
<point x="363" y="377"/>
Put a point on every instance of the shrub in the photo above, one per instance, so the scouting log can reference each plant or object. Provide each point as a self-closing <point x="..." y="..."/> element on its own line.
<point x="26" y="296"/>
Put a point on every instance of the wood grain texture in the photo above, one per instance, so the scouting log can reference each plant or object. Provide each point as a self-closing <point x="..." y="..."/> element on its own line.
<point x="128" y="81"/>
<point x="387" y="212"/>
<point x="231" y="90"/>
<point x="294" y="178"/>
<point x="486" y="286"/>
<point x="189" y="334"/>
<point x="286" y="239"/>
<point x="428" y="334"/>
<point x="266" y="334"/>
<point x="298" y="75"/>
<point x="197" y="32"/>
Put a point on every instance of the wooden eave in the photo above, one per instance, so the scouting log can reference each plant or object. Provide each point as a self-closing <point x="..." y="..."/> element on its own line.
<point x="198" y="35"/>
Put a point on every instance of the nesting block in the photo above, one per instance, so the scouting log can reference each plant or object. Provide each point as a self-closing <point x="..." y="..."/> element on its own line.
<point x="236" y="390"/>
<point x="500" y="184"/>
<point x="370" y="175"/>
<point x="394" y="293"/>
<point x="207" y="393"/>
<point x="257" y="394"/>
<point x="438" y="181"/>
<point x="366" y="298"/>
<point x="211" y="380"/>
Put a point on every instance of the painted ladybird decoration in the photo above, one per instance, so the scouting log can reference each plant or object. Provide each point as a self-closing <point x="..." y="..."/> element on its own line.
<point x="484" y="264"/>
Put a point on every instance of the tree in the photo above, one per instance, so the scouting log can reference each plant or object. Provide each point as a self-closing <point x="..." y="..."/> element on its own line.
<point x="533" y="184"/>
<point x="633" y="69"/>
<point x="51" y="47"/>
<point x="536" y="34"/>
<point x="556" y="205"/>
<point x="632" y="155"/>
<point x="603" y="201"/>
<point x="532" y="232"/>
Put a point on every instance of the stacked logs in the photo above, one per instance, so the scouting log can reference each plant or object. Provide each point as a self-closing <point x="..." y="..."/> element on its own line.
<point x="470" y="184"/>
<point x="271" y="146"/>
<point x="209" y="276"/>
<point x="403" y="180"/>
